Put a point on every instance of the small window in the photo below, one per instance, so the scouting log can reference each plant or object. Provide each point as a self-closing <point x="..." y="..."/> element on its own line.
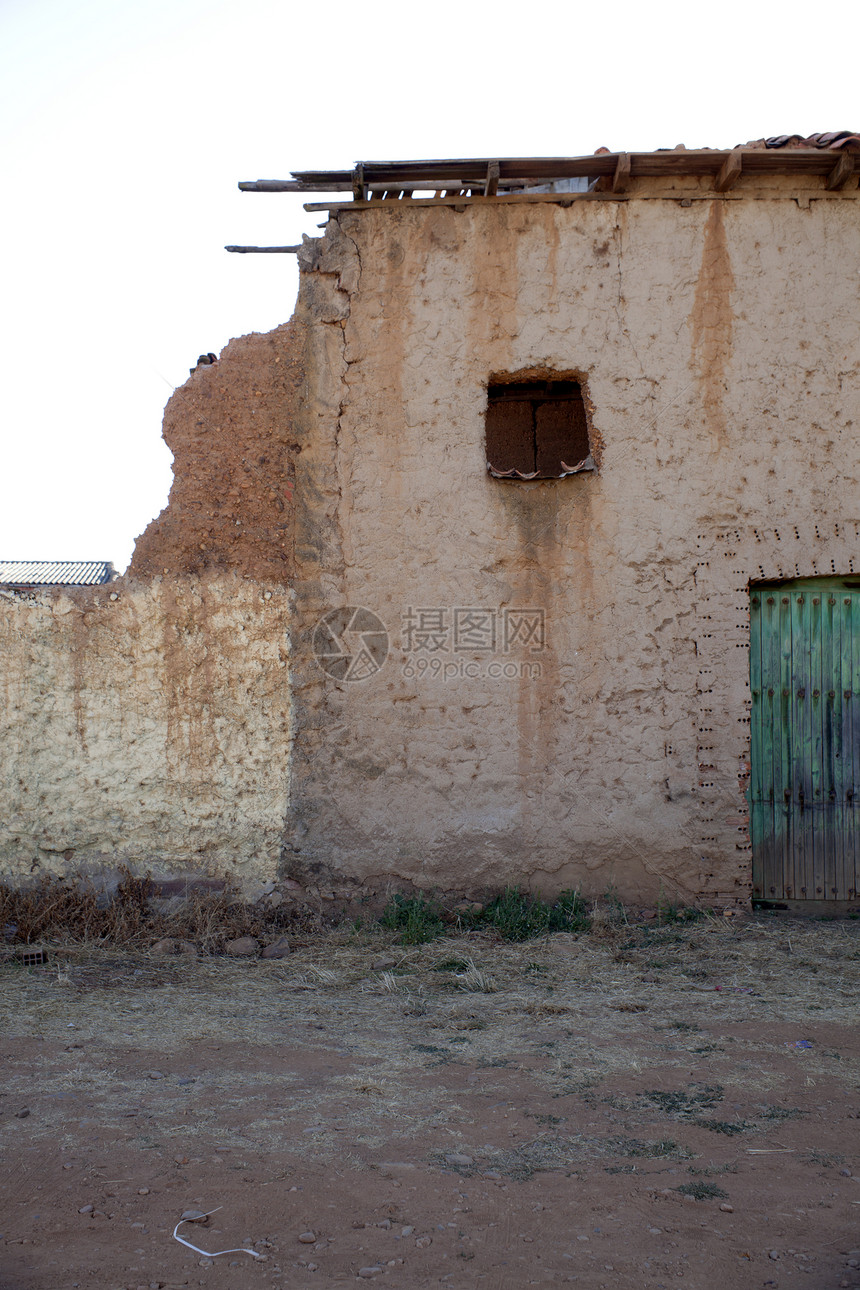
<point x="537" y="430"/>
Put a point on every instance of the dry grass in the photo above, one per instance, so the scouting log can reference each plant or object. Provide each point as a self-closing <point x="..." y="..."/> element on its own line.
<point x="569" y="1014"/>
<point x="72" y="911"/>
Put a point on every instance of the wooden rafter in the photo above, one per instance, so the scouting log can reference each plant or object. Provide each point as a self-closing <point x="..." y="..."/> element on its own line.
<point x="730" y="171"/>
<point x="719" y="168"/>
<point x="264" y="250"/>
<point x="841" y="172"/>
<point x="622" y="173"/>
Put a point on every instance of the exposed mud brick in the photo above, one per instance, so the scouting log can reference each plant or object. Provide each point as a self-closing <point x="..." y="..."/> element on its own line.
<point x="232" y="431"/>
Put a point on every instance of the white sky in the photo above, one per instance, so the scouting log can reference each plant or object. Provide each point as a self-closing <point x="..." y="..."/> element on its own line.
<point x="126" y="124"/>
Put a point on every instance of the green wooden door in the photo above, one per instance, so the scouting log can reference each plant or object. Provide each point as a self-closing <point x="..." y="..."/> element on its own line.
<point x="805" y="738"/>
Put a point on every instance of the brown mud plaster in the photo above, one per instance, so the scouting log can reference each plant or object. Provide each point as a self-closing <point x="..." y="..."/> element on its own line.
<point x="711" y="321"/>
<point x="232" y="429"/>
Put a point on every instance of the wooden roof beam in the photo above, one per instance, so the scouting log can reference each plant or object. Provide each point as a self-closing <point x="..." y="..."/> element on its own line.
<point x="491" y="183"/>
<point x="264" y="250"/>
<point x="730" y="171"/>
<point x="291" y="186"/>
<point x="359" y="191"/>
<point x="841" y="172"/>
<point x="622" y="173"/>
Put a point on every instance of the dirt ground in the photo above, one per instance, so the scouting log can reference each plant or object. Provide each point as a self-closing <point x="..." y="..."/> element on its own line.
<point x="653" y="1106"/>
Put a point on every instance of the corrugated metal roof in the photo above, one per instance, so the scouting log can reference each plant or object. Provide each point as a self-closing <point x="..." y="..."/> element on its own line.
<point x="54" y="573"/>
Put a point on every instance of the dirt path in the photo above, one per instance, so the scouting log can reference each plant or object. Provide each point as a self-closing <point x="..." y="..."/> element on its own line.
<point x="572" y="1110"/>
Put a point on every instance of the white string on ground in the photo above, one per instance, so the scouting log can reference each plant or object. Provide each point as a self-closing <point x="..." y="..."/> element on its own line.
<point x="196" y="1248"/>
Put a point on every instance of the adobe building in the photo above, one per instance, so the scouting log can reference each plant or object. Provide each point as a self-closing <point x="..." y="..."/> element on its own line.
<point x="524" y="553"/>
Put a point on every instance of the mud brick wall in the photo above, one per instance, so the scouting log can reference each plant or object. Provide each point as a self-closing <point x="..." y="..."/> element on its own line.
<point x="718" y="345"/>
<point x="565" y="697"/>
<point x="147" y="724"/>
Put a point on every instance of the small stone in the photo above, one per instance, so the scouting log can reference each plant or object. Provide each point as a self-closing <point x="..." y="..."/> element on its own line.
<point x="244" y="947"/>
<point x="371" y="1271"/>
<point x="23" y="1113"/>
<point x="85" y="1209"/>
<point x="156" y="1074"/>
<point x="774" y="1254"/>
<point x="386" y="1224"/>
<point x="727" y="1209"/>
<point x="457" y="1158"/>
<point x="846" y="1173"/>
<point x="193" y="1216"/>
<point x="422" y="1242"/>
<point x="167" y="945"/>
<point x="311" y="1267"/>
<point x="406" y="1231"/>
<point x="205" y="1263"/>
<point x="307" y="1238"/>
<point x="279" y="949"/>
<point x="143" y="1191"/>
<point x="381" y="964"/>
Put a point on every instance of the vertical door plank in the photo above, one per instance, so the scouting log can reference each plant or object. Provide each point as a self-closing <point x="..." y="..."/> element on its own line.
<point x="785" y="818"/>
<point x="845" y="786"/>
<point x="831" y="694"/>
<point x="771" y="764"/>
<point x="757" y="809"/>
<point x="801" y="738"/>
<point x="854" y="687"/>
<point x="817" y="821"/>
<point x="828" y="836"/>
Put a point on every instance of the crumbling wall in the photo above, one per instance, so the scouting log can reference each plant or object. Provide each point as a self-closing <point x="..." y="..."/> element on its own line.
<point x="147" y="724"/>
<point x="718" y="346"/>
<point x="232" y="431"/>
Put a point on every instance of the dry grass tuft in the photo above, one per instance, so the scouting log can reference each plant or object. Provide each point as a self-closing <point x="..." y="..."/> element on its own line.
<point x="474" y="979"/>
<point x="72" y="910"/>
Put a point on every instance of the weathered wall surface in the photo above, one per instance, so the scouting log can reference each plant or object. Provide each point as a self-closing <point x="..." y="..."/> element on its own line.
<point x="719" y="344"/>
<point x="231" y="430"/>
<point x="719" y="347"/>
<point x="148" y="724"/>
